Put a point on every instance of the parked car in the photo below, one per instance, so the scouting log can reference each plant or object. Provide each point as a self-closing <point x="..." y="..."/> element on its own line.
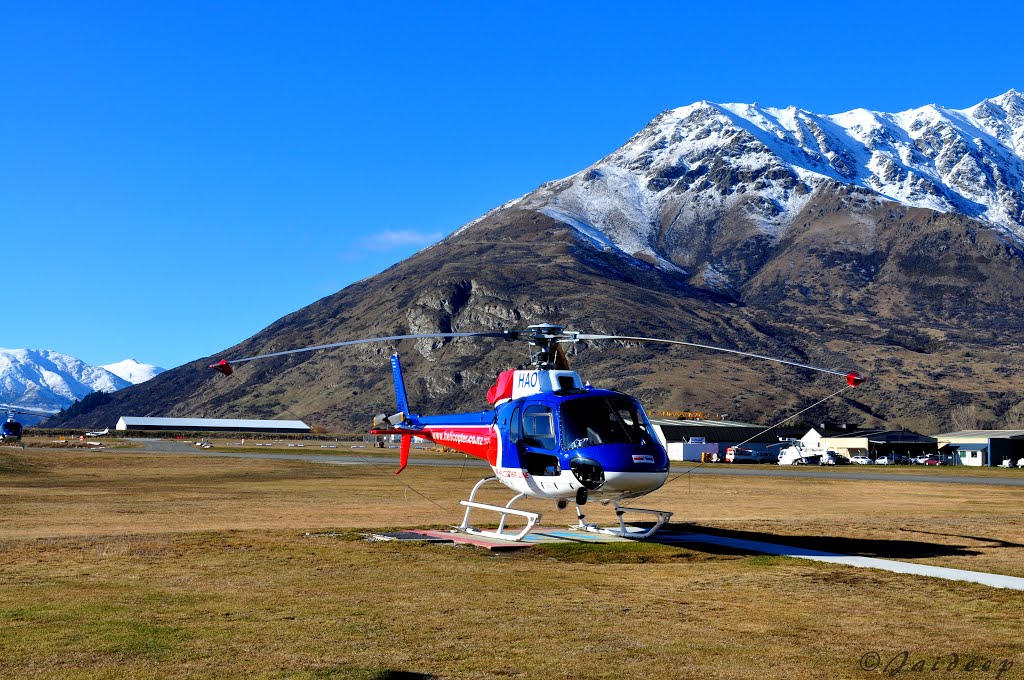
<point x="931" y="460"/>
<point x="883" y="460"/>
<point x="861" y="460"/>
<point x="921" y="460"/>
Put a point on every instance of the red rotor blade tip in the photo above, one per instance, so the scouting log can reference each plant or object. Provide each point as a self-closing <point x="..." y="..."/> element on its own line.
<point x="222" y="366"/>
<point x="853" y="379"/>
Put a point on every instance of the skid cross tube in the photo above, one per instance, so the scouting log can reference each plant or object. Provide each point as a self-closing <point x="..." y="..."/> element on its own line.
<point x="531" y="517"/>
<point x="662" y="516"/>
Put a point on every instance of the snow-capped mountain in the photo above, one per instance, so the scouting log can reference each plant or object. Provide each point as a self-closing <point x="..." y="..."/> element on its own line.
<point x="888" y="242"/>
<point x="758" y="165"/>
<point x="43" y="379"/>
<point x="133" y="371"/>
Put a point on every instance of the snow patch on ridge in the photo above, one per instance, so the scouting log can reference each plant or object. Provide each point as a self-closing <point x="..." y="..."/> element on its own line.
<point x="133" y="371"/>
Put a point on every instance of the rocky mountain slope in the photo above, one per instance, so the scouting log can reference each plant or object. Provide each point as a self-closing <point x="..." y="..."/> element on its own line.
<point x="887" y="243"/>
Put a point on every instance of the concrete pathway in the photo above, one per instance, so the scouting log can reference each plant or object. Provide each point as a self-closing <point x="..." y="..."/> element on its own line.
<point x="984" y="578"/>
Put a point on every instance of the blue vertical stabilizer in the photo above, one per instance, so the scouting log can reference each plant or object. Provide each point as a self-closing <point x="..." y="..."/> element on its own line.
<point x="396" y="372"/>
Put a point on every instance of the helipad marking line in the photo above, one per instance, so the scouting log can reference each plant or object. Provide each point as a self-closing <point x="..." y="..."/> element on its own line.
<point x="480" y="541"/>
<point x="584" y="536"/>
<point x="984" y="578"/>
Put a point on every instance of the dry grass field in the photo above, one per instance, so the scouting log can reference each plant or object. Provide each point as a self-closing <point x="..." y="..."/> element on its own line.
<point x="122" y="564"/>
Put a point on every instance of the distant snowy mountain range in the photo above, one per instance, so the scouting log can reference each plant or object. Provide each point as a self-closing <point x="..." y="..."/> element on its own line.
<point x="44" y="379"/>
<point x="698" y="163"/>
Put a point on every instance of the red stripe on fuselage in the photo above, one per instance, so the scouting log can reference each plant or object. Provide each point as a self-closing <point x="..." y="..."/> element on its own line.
<point x="481" y="442"/>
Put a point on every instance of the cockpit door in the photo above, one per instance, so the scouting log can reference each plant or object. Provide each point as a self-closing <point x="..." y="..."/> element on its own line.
<point x="538" y="446"/>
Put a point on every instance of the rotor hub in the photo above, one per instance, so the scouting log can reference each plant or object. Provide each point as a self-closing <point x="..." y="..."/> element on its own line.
<point x="544" y="339"/>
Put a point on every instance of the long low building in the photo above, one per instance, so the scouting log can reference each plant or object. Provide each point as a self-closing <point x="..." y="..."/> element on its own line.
<point x="877" y="443"/>
<point x="212" y="425"/>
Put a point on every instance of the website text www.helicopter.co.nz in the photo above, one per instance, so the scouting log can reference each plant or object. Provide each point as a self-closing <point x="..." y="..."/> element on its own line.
<point x="460" y="438"/>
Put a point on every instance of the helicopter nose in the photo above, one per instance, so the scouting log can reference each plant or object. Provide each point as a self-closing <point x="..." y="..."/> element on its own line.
<point x="588" y="471"/>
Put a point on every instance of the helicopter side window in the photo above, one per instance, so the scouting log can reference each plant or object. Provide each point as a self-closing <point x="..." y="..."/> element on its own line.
<point x="539" y="427"/>
<point x="515" y="433"/>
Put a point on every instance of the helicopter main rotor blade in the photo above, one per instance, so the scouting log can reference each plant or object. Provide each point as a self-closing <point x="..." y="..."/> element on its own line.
<point x="225" y="365"/>
<point x="852" y="377"/>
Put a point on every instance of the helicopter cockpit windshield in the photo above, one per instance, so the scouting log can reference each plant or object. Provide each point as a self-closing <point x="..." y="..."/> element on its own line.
<point x="591" y="421"/>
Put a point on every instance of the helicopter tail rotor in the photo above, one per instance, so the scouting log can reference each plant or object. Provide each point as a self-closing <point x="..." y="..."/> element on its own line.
<point x="382" y="420"/>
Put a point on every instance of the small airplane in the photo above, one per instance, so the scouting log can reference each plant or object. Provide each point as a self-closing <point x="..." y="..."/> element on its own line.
<point x="98" y="433"/>
<point x="12" y="430"/>
<point x="549" y="435"/>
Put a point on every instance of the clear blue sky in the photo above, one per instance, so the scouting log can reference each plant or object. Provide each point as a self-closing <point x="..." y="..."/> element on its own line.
<point x="176" y="176"/>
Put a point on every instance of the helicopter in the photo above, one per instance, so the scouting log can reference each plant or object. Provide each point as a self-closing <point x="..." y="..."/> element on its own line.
<point x="12" y="430"/>
<point x="548" y="434"/>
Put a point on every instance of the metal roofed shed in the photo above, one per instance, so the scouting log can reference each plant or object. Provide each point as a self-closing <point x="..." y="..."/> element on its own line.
<point x="212" y="425"/>
<point x="876" y="443"/>
<point x="983" y="447"/>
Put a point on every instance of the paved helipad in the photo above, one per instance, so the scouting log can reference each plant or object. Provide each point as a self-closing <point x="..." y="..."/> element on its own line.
<point x="555" y="535"/>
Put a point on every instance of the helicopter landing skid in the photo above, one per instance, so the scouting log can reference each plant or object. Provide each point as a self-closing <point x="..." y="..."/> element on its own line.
<point x="531" y="517"/>
<point x="662" y="516"/>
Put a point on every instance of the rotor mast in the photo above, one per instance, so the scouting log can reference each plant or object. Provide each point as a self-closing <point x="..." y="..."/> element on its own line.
<point x="544" y="349"/>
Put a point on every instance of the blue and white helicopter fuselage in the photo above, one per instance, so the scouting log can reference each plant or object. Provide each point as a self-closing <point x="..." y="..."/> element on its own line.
<point x="549" y="436"/>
